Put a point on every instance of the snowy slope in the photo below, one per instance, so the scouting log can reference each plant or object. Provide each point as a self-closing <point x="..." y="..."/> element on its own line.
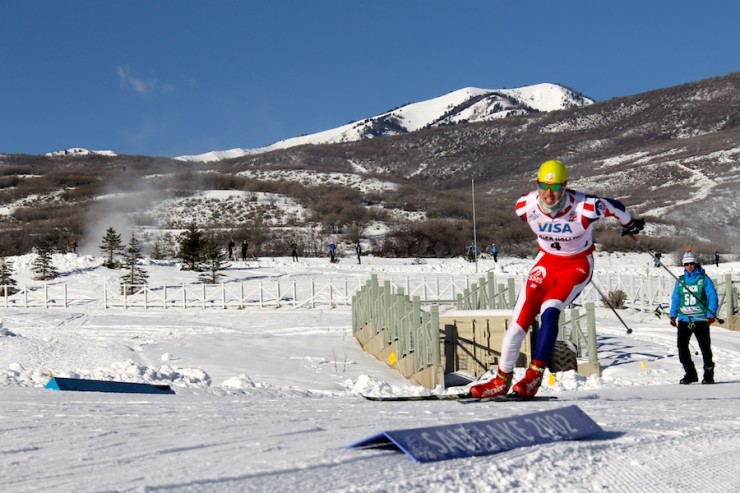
<point x="267" y="399"/>
<point x="464" y="105"/>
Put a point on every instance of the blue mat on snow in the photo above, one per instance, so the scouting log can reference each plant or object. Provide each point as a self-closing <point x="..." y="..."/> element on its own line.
<point x="80" y="385"/>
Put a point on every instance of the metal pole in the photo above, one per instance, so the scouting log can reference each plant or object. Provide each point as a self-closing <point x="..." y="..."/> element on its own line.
<point x="475" y="232"/>
<point x="606" y="301"/>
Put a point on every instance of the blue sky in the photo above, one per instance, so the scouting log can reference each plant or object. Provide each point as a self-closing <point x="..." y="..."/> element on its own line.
<point x="177" y="77"/>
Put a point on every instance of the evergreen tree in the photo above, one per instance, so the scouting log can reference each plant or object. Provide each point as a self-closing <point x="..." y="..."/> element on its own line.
<point x="135" y="274"/>
<point x="191" y="247"/>
<point x="111" y="246"/>
<point x="7" y="283"/>
<point x="42" y="264"/>
<point x="214" y="260"/>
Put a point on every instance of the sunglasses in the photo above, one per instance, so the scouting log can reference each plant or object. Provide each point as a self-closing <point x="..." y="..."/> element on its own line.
<point x="555" y="187"/>
<point x="691" y="263"/>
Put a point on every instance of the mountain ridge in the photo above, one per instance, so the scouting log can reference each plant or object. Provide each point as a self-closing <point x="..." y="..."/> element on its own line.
<point x="466" y="105"/>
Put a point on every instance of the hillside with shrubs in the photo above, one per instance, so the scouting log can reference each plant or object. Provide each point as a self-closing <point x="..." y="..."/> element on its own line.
<point x="670" y="155"/>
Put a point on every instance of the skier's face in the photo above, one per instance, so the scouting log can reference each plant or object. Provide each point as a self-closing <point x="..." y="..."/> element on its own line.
<point x="550" y="193"/>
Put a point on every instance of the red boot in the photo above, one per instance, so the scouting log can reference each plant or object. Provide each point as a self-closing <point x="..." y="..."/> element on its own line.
<point x="530" y="384"/>
<point x="498" y="385"/>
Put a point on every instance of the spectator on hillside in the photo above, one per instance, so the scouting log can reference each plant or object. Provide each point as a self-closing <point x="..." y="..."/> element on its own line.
<point x="358" y="249"/>
<point x="245" y="245"/>
<point x="332" y="253"/>
<point x="716" y="258"/>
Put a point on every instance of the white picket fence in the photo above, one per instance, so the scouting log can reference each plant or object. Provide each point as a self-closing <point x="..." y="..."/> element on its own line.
<point x="643" y="293"/>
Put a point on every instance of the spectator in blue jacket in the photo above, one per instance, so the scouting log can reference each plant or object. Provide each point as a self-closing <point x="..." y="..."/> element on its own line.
<point x="693" y="310"/>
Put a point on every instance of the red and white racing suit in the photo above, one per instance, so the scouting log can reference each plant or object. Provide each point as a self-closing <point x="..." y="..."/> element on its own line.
<point x="561" y="270"/>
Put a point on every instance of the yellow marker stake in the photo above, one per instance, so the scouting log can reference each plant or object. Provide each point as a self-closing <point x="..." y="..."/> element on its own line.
<point x="392" y="359"/>
<point x="552" y="379"/>
<point x="643" y="365"/>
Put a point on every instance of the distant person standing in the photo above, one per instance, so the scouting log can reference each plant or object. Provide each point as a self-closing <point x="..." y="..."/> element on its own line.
<point x="231" y="249"/>
<point x="656" y="259"/>
<point x="693" y="309"/>
<point x="245" y="246"/>
<point x="358" y="249"/>
<point x="716" y="258"/>
<point x="471" y="252"/>
<point x="332" y="253"/>
<point x="494" y="252"/>
<point x="294" y="251"/>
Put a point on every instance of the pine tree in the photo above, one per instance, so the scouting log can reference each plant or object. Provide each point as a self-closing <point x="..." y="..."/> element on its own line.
<point x="190" y="247"/>
<point x="42" y="264"/>
<point x="111" y="246"/>
<point x="214" y="260"/>
<point x="7" y="283"/>
<point x="135" y="274"/>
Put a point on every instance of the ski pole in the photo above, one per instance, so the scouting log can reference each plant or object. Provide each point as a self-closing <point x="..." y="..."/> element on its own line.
<point x="714" y="315"/>
<point x="605" y="300"/>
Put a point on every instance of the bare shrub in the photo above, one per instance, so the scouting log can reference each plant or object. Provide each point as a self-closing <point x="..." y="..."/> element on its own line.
<point x="615" y="299"/>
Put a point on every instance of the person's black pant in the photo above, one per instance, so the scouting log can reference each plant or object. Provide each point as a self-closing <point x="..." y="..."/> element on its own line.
<point x="701" y="331"/>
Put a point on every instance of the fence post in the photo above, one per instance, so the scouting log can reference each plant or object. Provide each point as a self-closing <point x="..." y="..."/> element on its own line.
<point x="729" y="297"/>
<point x="511" y="292"/>
<point x="593" y="357"/>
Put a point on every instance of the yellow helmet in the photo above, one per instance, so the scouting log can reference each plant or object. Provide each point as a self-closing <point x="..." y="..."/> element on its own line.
<point x="552" y="172"/>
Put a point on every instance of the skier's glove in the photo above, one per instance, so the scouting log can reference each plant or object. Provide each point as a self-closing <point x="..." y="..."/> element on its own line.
<point x="673" y="321"/>
<point x="634" y="227"/>
<point x="711" y="321"/>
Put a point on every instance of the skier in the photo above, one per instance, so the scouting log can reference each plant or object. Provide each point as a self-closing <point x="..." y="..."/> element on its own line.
<point x="693" y="308"/>
<point x="656" y="258"/>
<point x="716" y="258"/>
<point x="245" y="246"/>
<point x="358" y="249"/>
<point x="562" y="221"/>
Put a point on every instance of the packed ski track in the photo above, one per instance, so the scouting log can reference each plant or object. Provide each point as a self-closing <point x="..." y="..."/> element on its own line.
<point x="269" y="399"/>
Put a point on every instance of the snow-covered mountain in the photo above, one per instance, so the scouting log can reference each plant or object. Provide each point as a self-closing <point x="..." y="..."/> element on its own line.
<point x="462" y="106"/>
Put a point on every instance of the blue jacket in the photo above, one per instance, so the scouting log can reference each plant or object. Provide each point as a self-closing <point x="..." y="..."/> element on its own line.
<point x="709" y="291"/>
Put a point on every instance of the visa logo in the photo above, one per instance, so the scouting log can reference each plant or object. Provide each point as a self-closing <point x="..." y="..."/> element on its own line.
<point x="555" y="228"/>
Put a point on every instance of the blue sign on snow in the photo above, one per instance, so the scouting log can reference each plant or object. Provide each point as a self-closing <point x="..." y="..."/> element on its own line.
<point x="486" y="437"/>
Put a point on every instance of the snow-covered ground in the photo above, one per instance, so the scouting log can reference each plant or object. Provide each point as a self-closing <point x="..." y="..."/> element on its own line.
<point x="268" y="399"/>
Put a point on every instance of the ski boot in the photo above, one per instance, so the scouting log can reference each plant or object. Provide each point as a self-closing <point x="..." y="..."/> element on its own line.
<point x="498" y="385"/>
<point x="708" y="375"/>
<point x="530" y="384"/>
<point x="690" y="377"/>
